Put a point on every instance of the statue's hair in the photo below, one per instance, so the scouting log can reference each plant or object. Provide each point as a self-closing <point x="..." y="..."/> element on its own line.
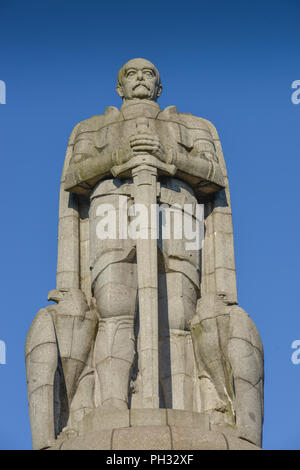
<point x="120" y="73"/>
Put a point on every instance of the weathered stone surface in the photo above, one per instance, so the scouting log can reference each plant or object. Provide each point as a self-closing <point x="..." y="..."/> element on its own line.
<point x="100" y="440"/>
<point x="152" y="430"/>
<point x="187" y="419"/>
<point x="146" y="347"/>
<point x="240" y="444"/>
<point x="104" y="419"/>
<point x="142" y="438"/>
<point x="144" y="417"/>
<point x="154" y="438"/>
<point x="195" y="440"/>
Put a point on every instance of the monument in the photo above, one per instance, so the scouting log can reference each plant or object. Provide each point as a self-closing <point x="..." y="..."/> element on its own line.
<point x="146" y="346"/>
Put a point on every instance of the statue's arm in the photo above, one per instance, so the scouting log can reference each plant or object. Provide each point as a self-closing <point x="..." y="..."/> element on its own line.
<point x="206" y="170"/>
<point x="197" y="157"/>
<point x="89" y="163"/>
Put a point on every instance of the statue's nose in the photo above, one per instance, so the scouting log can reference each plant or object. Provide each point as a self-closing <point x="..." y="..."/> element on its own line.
<point x="140" y="75"/>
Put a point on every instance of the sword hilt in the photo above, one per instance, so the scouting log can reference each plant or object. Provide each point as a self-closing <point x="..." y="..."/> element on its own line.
<point x="142" y="127"/>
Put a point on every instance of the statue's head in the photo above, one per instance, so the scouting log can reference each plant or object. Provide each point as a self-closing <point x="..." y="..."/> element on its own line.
<point x="139" y="79"/>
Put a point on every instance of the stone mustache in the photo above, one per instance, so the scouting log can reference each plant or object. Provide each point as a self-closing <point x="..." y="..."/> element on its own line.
<point x="144" y="330"/>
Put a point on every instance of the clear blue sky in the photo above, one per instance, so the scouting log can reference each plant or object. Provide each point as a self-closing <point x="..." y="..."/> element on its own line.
<point x="231" y="62"/>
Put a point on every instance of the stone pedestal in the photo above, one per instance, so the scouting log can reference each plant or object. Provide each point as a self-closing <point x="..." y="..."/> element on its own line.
<point x="147" y="429"/>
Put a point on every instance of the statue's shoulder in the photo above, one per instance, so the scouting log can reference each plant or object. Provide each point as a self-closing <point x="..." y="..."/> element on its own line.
<point x="95" y="123"/>
<point x="189" y="120"/>
<point x="196" y="122"/>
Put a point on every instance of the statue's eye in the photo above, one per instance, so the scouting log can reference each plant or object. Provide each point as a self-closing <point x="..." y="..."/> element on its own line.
<point x="130" y="73"/>
<point x="148" y="73"/>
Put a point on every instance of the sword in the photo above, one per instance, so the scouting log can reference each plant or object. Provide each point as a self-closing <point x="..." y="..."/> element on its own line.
<point x="144" y="171"/>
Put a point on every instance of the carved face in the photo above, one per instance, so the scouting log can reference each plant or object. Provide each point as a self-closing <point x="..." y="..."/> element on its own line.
<point x="139" y="79"/>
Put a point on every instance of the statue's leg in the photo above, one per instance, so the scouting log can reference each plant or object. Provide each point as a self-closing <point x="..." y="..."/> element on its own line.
<point x="179" y="266"/>
<point x="114" y="287"/>
<point x="177" y="306"/>
<point x="84" y="399"/>
<point x="115" y="291"/>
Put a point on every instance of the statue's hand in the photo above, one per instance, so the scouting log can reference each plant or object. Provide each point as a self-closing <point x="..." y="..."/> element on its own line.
<point x="147" y="143"/>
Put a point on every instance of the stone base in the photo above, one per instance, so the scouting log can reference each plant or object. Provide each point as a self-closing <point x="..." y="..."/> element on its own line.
<point x="148" y="429"/>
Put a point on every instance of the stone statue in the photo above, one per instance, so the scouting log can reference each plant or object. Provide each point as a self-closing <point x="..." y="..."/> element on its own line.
<point x="147" y="342"/>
